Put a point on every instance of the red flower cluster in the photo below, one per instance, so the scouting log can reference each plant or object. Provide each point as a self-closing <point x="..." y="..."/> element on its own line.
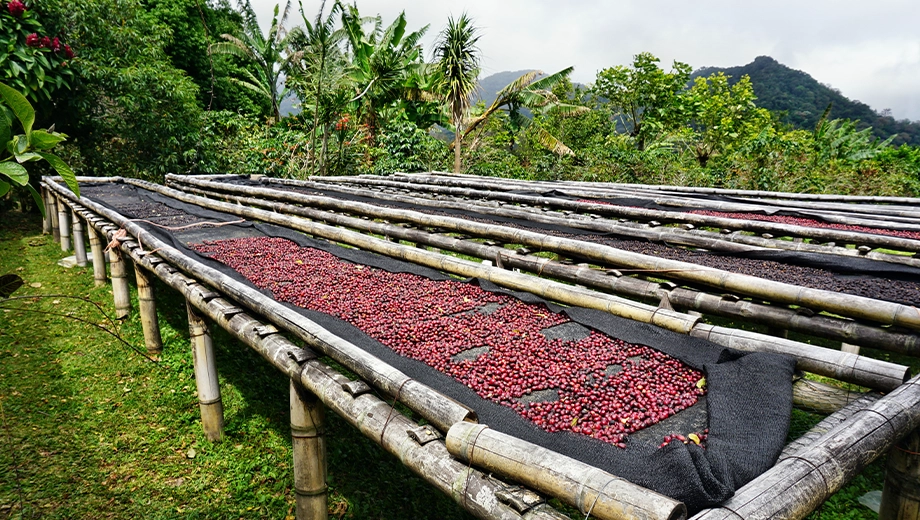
<point x="16" y="8"/>
<point x="342" y="124"/>
<point x="44" y="42"/>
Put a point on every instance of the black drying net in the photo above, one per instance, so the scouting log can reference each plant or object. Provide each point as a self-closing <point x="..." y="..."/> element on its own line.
<point x="746" y="409"/>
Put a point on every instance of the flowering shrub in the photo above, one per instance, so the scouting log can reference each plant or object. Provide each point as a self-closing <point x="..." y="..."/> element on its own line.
<point x="37" y="62"/>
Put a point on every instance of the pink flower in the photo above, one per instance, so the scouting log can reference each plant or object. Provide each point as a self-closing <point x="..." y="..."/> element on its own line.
<point x="69" y="52"/>
<point x="16" y="8"/>
<point x="33" y="40"/>
<point x="46" y="42"/>
<point x="56" y="45"/>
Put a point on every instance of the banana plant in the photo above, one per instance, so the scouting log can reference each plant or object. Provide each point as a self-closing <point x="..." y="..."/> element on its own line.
<point x="29" y="146"/>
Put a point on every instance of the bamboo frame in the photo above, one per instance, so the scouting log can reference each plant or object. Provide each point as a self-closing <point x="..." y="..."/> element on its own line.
<point x="209" y="400"/>
<point x="901" y="493"/>
<point x="147" y="308"/>
<point x="473" y="490"/>
<point x="688" y="237"/>
<point x="771" y="315"/>
<point x="309" y="447"/>
<point x="846" y="367"/>
<point x="46" y="216"/>
<point x="778" y="229"/>
<point x="51" y="210"/>
<point x="79" y="242"/>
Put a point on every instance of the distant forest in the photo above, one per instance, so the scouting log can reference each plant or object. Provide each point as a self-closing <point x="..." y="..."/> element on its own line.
<point x="800" y="100"/>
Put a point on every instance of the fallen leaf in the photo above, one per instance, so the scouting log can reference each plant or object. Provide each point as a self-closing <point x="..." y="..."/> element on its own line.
<point x="35" y="285"/>
<point x="191" y="453"/>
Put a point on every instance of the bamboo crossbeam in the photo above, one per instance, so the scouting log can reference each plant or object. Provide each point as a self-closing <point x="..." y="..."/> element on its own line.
<point x="797" y="485"/>
<point x="592" y="491"/>
<point x="440" y="410"/>
<point x="774" y="316"/>
<point x="871" y="373"/>
<point x="430" y="460"/>
<point x="777" y="229"/>
<point x="842" y="304"/>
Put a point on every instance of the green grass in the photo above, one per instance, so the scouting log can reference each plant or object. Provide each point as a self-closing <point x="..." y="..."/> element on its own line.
<point x="91" y="429"/>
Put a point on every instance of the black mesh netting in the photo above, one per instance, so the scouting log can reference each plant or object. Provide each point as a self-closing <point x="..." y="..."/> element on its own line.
<point x="746" y="409"/>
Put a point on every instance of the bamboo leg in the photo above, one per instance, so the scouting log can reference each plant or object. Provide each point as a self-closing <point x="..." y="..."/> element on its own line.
<point x="95" y="245"/>
<point x="79" y="243"/>
<point x="147" y="305"/>
<point x="212" y="409"/>
<point x="309" y="446"/>
<point x="46" y="220"/>
<point x="51" y="209"/>
<point x="901" y="494"/>
<point x="120" y="284"/>
<point x="64" y="226"/>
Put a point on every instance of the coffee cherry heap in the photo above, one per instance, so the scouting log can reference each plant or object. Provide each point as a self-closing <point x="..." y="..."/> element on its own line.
<point x="598" y="386"/>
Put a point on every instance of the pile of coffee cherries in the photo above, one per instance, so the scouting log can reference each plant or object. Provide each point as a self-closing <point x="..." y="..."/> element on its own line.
<point x="593" y="385"/>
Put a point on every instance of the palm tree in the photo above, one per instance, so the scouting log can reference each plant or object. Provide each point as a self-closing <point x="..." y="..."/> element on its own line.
<point x="537" y="95"/>
<point x="381" y="60"/>
<point x="264" y="51"/>
<point x="458" y="63"/>
<point x="317" y="69"/>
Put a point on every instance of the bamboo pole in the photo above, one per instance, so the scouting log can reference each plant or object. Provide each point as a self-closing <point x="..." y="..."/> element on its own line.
<point x="830" y="422"/>
<point x="472" y="489"/>
<point x="120" y="291"/>
<point x="64" y="226"/>
<point x="46" y="216"/>
<point x="777" y="229"/>
<point x="95" y="245"/>
<point x="774" y="316"/>
<point x="212" y="409"/>
<point x="798" y="484"/>
<point x="692" y="237"/>
<point x="147" y="308"/>
<point x="901" y="493"/>
<point x="79" y="243"/>
<point x="309" y="447"/>
<point x="51" y="209"/>
<point x="440" y="410"/>
<point x="592" y="491"/>
<point x="853" y="369"/>
<point x="814" y="396"/>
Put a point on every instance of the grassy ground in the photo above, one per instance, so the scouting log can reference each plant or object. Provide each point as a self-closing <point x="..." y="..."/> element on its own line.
<point x="89" y="428"/>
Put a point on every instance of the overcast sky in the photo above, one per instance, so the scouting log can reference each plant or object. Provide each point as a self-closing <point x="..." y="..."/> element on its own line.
<point x="869" y="50"/>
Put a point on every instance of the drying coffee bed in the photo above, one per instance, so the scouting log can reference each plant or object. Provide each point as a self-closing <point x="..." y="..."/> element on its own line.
<point x="552" y="371"/>
<point x="849" y="282"/>
<point x="808" y="222"/>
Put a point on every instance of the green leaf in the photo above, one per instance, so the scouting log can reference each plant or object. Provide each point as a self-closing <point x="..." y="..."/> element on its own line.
<point x="4" y="188"/>
<point x="6" y="128"/>
<point x="27" y="157"/>
<point x="9" y="283"/>
<point x="15" y="172"/>
<point x="63" y="170"/>
<point x="43" y="140"/>
<point x="37" y="198"/>
<point x="20" y="106"/>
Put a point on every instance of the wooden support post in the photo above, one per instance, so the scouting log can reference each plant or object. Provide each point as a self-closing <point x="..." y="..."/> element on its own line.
<point x="147" y="305"/>
<point x="79" y="242"/>
<point x="120" y="284"/>
<point x="51" y="209"/>
<point x="212" y="409"/>
<point x="95" y="245"/>
<point x="309" y="447"/>
<point x="64" y="226"/>
<point x="901" y="494"/>
<point x="46" y="219"/>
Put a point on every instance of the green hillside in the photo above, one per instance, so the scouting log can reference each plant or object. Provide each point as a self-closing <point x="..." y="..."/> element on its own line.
<point x="801" y="100"/>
